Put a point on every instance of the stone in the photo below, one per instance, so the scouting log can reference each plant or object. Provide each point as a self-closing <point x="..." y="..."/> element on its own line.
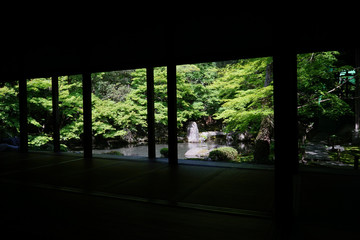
<point x="193" y="133"/>
<point x="197" y="153"/>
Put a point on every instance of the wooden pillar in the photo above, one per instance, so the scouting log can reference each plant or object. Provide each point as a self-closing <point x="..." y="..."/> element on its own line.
<point x="356" y="133"/>
<point x="172" y="114"/>
<point x="55" y="107"/>
<point x="23" y="115"/>
<point x="150" y="112"/>
<point x="286" y="139"/>
<point x="87" y="135"/>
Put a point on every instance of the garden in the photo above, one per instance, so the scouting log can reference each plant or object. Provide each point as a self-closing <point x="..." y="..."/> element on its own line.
<point x="231" y="103"/>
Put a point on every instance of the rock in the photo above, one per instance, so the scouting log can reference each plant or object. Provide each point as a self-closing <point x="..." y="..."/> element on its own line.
<point x="336" y="148"/>
<point x="316" y="151"/>
<point x="197" y="153"/>
<point x="192" y="132"/>
<point x="204" y="136"/>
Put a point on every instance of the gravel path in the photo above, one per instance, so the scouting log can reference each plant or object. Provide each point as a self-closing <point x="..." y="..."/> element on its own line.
<point x="316" y="151"/>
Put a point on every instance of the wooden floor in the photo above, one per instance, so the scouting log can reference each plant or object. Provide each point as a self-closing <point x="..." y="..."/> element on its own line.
<point x="328" y="204"/>
<point x="67" y="197"/>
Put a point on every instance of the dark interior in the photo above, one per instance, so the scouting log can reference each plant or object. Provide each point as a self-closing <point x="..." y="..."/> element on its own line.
<point x="59" y="196"/>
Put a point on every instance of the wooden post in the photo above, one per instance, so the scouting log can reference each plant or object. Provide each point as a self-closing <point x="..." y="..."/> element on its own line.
<point x="150" y="112"/>
<point x="172" y="114"/>
<point x="23" y="115"/>
<point x="87" y="135"/>
<point x="286" y="139"/>
<point x="356" y="162"/>
<point x="55" y="107"/>
<point x="356" y="155"/>
<point x="356" y="133"/>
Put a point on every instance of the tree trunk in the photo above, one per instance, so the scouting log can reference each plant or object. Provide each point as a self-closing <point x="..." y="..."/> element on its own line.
<point x="263" y="139"/>
<point x="268" y="74"/>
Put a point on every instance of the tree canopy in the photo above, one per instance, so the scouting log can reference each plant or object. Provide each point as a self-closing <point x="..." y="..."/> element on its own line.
<point x="235" y="94"/>
<point x="319" y="87"/>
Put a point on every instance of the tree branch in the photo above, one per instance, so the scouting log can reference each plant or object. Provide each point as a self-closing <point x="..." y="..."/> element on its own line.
<point x="324" y="100"/>
<point x="330" y="91"/>
<point x="347" y="80"/>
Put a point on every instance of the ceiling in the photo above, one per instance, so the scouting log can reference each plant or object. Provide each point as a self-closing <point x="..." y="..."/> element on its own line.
<point x="36" y="50"/>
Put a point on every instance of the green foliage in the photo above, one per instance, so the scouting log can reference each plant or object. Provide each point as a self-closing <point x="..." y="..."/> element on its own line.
<point x="189" y="106"/>
<point x="245" y="102"/>
<point x="346" y="156"/>
<point x="40" y="113"/>
<point x="39" y="142"/>
<point x="318" y="87"/>
<point x="223" y="154"/>
<point x="115" y="153"/>
<point x="105" y="119"/>
<point x="246" y="110"/>
<point x="9" y="110"/>
<point x="70" y="107"/>
<point x="231" y="92"/>
<point x="164" y="152"/>
<point x="113" y="85"/>
<point x="119" y="101"/>
<point x="244" y="75"/>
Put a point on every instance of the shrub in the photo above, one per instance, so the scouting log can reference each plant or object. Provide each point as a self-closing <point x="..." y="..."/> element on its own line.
<point x="63" y="148"/>
<point x="164" y="152"/>
<point x="115" y="153"/>
<point x="223" y="154"/>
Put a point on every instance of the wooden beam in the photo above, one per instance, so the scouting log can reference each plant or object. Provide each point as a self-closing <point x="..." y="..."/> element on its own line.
<point x="55" y="107"/>
<point x="23" y="115"/>
<point x="150" y="112"/>
<point x="87" y="135"/>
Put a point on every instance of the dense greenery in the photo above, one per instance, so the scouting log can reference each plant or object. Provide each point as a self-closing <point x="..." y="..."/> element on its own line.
<point x="324" y="97"/>
<point x="320" y="93"/>
<point x="207" y="92"/>
<point x="233" y="96"/>
<point x="243" y="97"/>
